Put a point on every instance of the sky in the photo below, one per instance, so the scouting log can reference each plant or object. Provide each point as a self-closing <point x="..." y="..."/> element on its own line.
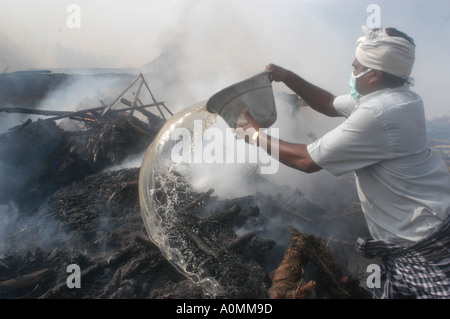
<point x="219" y="42"/>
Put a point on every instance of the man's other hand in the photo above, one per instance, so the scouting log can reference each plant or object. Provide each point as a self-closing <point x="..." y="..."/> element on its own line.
<point x="278" y="73"/>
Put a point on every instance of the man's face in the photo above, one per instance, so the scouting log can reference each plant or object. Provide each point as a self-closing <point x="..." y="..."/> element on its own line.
<point x="362" y="83"/>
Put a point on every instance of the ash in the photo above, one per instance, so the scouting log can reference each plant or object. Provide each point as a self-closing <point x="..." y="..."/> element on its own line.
<point x="96" y="223"/>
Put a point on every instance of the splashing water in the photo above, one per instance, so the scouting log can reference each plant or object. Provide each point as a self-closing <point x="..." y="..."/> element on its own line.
<point x="192" y="240"/>
<point x="164" y="194"/>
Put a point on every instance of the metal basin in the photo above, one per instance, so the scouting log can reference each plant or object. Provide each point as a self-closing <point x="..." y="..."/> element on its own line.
<point x="255" y="94"/>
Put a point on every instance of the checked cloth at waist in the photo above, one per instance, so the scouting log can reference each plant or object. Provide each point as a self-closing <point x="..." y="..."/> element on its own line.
<point x="421" y="270"/>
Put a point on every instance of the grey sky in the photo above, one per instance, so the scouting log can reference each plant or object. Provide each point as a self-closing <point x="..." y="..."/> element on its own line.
<point x="218" y="42"/>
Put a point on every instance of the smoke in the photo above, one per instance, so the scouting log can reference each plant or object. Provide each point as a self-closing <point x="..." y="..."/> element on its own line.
<point x="12" y="57"/>
<point x="236" y="178"/>
<point x="214" y="44"/>
<point x="79" y="59"/>
<point x="85" y="91"/>
<point x="19" y="232"/>
<point x="75" y="93"/>
<point x="217" y="43"/>
<point x="206" y="46"/>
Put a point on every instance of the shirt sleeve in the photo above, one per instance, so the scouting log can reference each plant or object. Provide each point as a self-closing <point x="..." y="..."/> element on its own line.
<point x="344" y="105"/>
<point x="358" y="142"/>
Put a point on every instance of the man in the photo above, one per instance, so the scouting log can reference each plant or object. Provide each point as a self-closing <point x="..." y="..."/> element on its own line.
<point x="403" y="185"/>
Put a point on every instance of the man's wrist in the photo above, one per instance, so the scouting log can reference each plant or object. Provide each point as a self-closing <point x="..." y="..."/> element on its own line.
<point x="288" y="76"/>
<point x="262" y="140"/>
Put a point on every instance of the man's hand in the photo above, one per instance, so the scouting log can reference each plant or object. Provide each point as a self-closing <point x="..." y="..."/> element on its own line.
<point x="250" y="131"/>
<point x="251" y="122"/>
<point x="278" y="73"/>
<point x="317" y="98"/>
<point x="293" y="155"/>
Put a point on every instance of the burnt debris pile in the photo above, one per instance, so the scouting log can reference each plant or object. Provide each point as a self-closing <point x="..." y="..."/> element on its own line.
<point x="39" y="157"/>
<point x="36" y="158"/>
<point x="95" y="223"/>
<point x="64" y="203"/>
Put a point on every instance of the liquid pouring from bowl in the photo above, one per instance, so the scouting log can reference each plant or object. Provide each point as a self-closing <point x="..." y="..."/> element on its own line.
<point x="255" y="94"/>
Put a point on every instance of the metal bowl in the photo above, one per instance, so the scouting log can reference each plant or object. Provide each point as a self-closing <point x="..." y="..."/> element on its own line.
<point x="255" y="94"/>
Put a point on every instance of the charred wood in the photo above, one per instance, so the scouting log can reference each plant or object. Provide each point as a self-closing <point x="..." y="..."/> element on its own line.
<point x="39" y="157"/>
<point x="226" y="216"/>
<point x="199" y="200"/>
<point x="24" y="282"/>
<point x="239" y="241"/>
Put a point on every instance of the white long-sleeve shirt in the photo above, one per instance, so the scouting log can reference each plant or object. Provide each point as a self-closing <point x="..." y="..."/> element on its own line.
<point x="403" y="185"/>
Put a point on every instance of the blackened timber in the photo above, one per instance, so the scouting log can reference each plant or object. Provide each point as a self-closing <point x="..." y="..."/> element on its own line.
<point x="151" y="117"/>
<point x="23" y="110"/>
<point x="200" y="243"/>
<point x="57" y="115"/>
<point x="124" y="253"/>
<point x="106" y="109"/>
<point x="27" y="281"/>
<point x="241" y="240"/>
<point x="199" y="199"/>
<point x="99" y="109"/>
<point x="148" y="88"/>
<point x="226" y="215"/>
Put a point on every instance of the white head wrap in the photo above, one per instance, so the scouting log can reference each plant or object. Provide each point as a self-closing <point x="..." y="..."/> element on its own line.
<point x="377" y="50"/>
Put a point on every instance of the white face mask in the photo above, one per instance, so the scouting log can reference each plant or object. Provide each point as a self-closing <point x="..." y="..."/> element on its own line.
<point x="353" y="91"/>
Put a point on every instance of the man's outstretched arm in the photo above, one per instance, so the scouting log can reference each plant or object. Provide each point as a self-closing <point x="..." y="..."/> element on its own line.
<point x="317" y="98"/>
<point x="290" y="154"/>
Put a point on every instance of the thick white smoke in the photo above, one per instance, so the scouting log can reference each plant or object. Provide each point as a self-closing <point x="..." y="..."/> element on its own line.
<point x="206" y="46"/>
